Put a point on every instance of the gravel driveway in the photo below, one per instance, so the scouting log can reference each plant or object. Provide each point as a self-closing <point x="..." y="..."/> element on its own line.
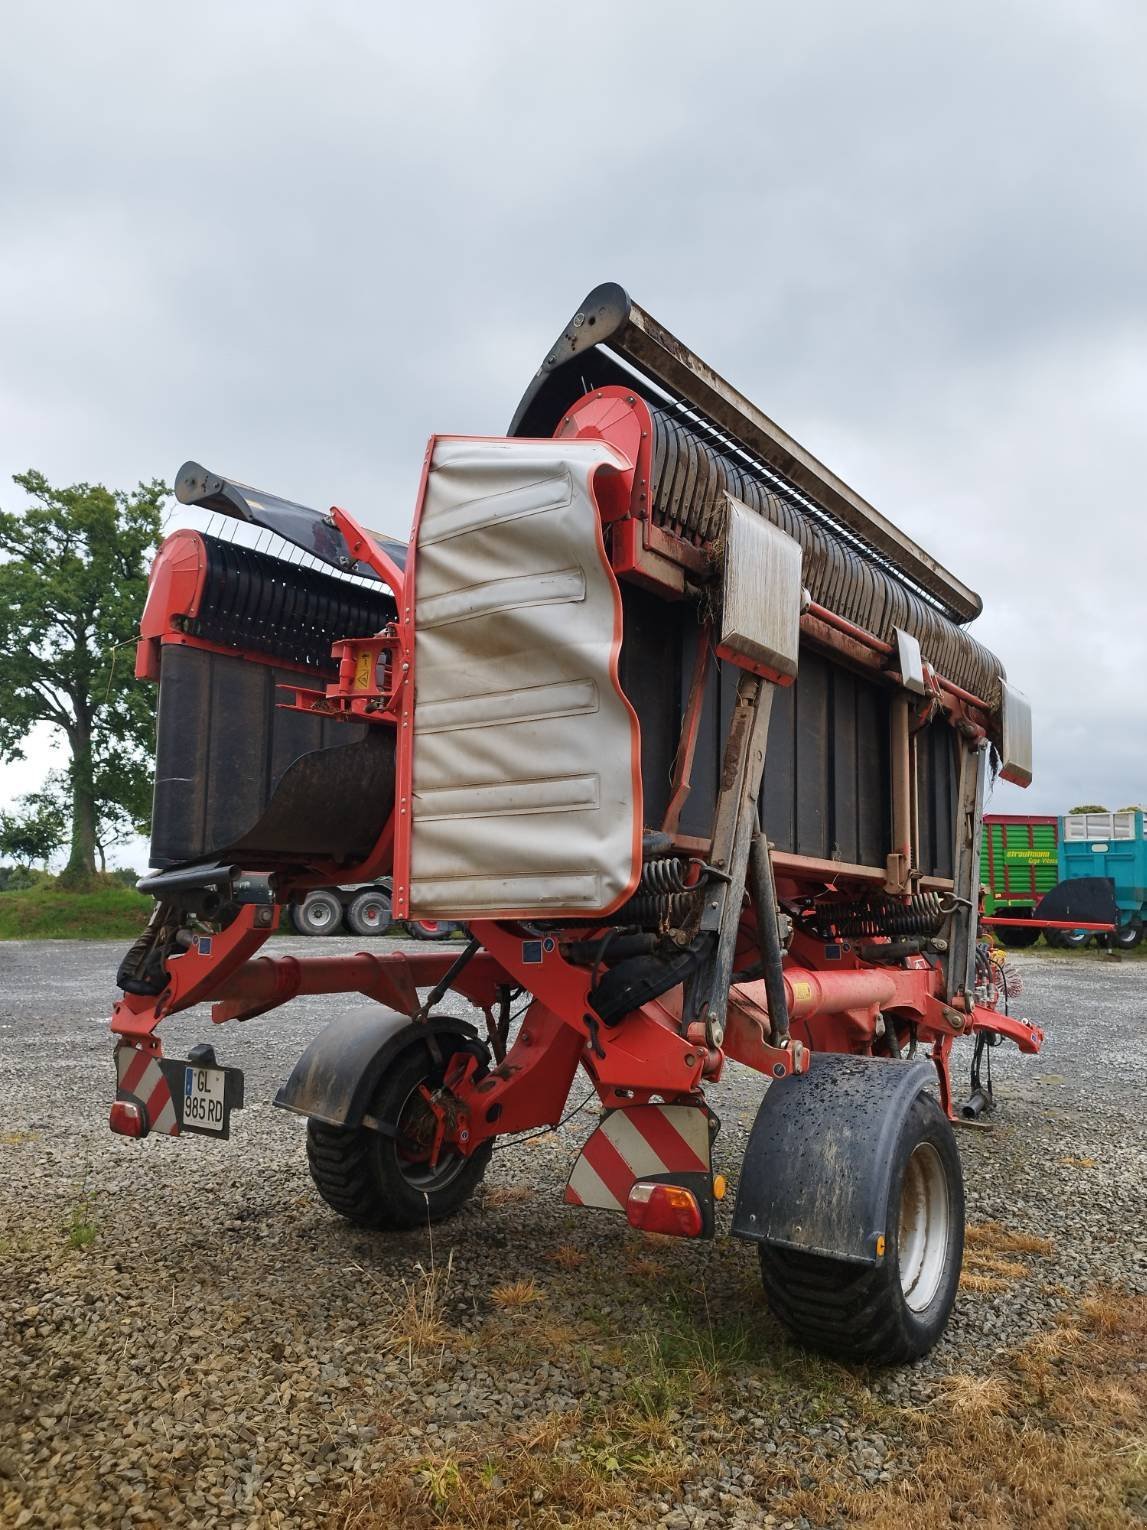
<point x="188" y="1337"/>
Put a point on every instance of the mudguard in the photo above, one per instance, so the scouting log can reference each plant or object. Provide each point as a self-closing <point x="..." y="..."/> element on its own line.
<point x="336" y="1077"/>
<point x="817" y="1168"/>
<point x="1091" y="900"/>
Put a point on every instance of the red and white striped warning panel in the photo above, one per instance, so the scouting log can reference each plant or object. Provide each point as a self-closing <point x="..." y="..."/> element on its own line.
<point x="639" y="1142"/>
<point x="141" y="1078"/>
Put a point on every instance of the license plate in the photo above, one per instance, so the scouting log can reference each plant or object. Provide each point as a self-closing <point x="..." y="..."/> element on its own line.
<point x="205" y="1099"/>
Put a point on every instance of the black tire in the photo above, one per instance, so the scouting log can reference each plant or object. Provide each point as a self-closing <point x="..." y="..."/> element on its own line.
<point x="1126" y="937"/>
<point x="1011" y="936"/>
<point x="1072" y="940"/>
<point x="880" y="1314"/>
<point x="1051" y="938"/>
<point x="382" y="1181"/>
<point x="368" y="913"/>
<point x="320" y="913"/>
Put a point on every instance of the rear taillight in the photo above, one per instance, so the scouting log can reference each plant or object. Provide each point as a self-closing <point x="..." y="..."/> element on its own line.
<point x="664" y="1209"/>
<point x="128" y="1119"/>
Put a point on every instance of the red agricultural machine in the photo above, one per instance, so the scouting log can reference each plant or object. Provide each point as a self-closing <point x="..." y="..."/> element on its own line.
<point x="694" y="743"/>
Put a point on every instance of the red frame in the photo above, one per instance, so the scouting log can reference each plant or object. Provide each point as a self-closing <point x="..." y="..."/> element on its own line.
<point x="836" y="1001"/>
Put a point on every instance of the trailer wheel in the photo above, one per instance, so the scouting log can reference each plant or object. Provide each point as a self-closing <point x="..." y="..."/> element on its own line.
<point x="1126" y="937"/>
<point x="369" y="913"/>
<point x="320" y="913"/>
<point x="1012" y="937"/>
<point x="896" y="1310"/>
<point x="1072" y="940"/>
<point x="382" y="1179"/>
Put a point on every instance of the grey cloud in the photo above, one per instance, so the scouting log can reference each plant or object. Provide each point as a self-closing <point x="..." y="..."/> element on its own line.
<point x="292" y="240"/>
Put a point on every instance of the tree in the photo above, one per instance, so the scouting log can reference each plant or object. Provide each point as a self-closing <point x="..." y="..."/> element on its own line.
<point x="42" y="826"/>
<point x="72" y="586"/>
<point x="39" y="829"/>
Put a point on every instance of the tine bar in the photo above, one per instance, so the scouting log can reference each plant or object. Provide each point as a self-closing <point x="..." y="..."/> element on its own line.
<point x="609" y="317"/>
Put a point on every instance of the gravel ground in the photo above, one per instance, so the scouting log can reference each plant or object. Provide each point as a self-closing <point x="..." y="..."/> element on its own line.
<point x="188" y="1337"/>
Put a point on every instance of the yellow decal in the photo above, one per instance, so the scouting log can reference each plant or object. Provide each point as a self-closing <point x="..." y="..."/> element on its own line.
<point x="802" y="992"/>
<point x="364" y="672"/>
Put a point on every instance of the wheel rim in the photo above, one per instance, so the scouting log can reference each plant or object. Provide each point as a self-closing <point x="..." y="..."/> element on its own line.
<point x="319" y="915"/>
<point x="413" y="1144"/>
<point x="371" y="914"/>
<point x="925" y="1217"/>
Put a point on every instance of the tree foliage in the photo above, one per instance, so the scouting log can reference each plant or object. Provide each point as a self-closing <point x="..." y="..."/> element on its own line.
<point x="73" y="576"/>
<point x="40" y="826"/>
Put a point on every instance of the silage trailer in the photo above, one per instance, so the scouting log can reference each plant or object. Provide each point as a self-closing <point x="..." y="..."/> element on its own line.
<point x="691" y="738"/>
<point x="1068" y="879"/>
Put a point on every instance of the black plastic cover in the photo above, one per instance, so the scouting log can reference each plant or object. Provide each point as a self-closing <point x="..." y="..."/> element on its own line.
<point x="1091" y="900"/>
<point x="305" y="528"/>
<point x="816" y="1175"/>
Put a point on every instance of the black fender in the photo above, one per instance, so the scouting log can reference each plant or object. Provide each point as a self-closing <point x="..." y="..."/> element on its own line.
<point x="336" y="1077"/>
<point x="1091" y="900"/>
<point x="817" y="1168"/>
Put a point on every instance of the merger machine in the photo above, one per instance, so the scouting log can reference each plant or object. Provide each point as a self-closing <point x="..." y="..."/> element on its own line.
<point x="693" y="742"/>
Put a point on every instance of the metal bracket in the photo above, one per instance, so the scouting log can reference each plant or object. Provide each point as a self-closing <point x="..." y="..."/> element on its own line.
<point x="734" y="824"/>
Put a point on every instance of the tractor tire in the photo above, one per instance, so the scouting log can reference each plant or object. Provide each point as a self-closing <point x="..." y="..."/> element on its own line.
<point x="1012" y="937"/>
<point x="369" y="913"/>
<point x="386" y="1182"/>
<point x="320" y="913"/>
<point x="1072" y="940"/>
<point x="894" y="1311"/>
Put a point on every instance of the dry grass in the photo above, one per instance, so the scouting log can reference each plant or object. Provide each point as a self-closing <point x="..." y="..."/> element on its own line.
<point x="413" y="1321"/>
<point x="981" y="1285"/>
<point x="976" y="1397"/>
<point x="641" y="1267"/>
<point x="511" y="1294"/>
<point x="507" y="1195"/>
<point x="1106" y="1313"/>
<point x="986" y="1265"/>
<point x="1079" y="1163"/>
<point x="1053" y="1439"/>
<point x="561" y="1470"/>
<point x="567" y="1256"/>
<point x="995" y="1238"/>
<point x="1056" y="1442"/>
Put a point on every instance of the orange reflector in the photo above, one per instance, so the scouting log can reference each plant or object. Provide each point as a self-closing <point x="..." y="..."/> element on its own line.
<point x="880" y="1246"/>
<point x="127" y="1119"/>
<point x="720" y="1185"/>
<point x="664" y="1209"/>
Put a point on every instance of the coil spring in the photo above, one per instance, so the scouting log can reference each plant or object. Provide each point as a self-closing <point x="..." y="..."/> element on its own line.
<point x="666" y="875"/>
<point x="668" y="911"/>
<point x="922" y="914"/>
<point x="662" y="900"/>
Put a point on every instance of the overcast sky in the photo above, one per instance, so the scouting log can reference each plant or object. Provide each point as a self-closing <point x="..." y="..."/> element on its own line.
<point x="291" y="240"/>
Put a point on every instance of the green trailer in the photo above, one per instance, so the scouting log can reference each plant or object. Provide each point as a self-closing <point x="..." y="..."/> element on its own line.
<point x="1019" y="863"/>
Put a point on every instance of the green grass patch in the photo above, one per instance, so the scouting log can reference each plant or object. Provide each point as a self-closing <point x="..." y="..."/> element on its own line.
<point x="48" y="912"/>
